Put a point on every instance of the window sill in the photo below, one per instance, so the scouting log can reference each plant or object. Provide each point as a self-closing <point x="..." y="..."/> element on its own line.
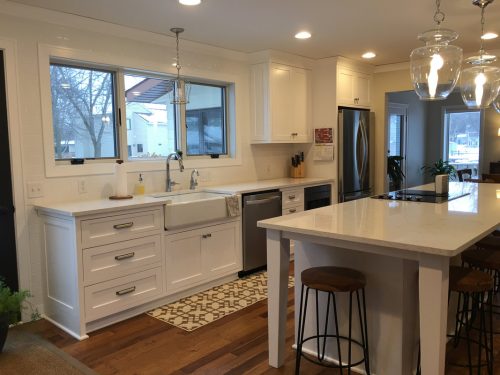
<point x="135" y="166"/>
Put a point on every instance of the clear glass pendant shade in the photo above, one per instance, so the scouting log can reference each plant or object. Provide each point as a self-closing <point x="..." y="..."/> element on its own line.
<point x="480" y="84"/>
<point x="496" y="105"/>
<point x="435" y="68"/>
<point x="180" y="93"/>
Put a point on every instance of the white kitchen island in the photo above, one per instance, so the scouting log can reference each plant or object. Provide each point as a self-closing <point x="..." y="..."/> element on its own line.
<point x="404" y="248"/>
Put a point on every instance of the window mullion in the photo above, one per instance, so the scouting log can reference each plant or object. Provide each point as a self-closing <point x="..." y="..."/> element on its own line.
<point x="122" y="121"/>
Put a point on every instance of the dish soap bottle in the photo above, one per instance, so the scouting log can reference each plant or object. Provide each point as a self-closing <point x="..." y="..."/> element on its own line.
<point x="139" y="187"/>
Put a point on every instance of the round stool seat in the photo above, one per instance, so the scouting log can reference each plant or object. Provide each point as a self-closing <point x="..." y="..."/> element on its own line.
<point x="489" y="242"/>
<point x="333" y="279"/>
<point x="469" y="281"/>
<point x="482" y="258"/>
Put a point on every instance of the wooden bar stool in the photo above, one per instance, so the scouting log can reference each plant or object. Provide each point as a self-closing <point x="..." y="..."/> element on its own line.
<point x="491" y="241"/>
<point x="473" y="286"/>
<point x="332" y="280"/>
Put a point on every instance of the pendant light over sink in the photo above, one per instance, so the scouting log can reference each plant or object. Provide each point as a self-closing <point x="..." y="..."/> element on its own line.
<point x="480" y="83"/>
<point x="435" y="67"/>
<point x="181" y="89"/>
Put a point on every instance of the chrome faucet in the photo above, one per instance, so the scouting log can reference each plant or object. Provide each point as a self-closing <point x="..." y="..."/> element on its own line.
<point x="194" y="182"/>
<point x="176" y="156"/>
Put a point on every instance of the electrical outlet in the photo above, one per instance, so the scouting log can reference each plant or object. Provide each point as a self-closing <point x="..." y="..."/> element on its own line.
<point x="35" y="190"/>
<point x="82" y="186"/>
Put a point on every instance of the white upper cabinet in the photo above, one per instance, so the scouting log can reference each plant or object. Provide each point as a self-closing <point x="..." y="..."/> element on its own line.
<point x="281" y="104"/>
<point x="353" y="88"/>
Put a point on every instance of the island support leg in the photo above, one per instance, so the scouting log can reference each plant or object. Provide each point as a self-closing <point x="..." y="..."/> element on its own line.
<point x="278" y="263"/>
<point x="433" y="307"/>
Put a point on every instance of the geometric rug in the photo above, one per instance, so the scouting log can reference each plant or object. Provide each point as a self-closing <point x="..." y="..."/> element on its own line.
<point x="206" y="307"/>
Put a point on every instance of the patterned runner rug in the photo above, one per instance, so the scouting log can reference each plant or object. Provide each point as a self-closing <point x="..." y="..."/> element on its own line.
<point x="206" y="307"/>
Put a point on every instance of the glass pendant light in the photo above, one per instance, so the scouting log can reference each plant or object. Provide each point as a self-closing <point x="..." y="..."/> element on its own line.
<point x="496" y="105"/>
<point x="480" y="83"/>
<point x="435" y="67"/>
<point x="180" y="92"/>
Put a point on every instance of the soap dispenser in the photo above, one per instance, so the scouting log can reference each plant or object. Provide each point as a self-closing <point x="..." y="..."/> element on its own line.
<point x="139" y="187"/>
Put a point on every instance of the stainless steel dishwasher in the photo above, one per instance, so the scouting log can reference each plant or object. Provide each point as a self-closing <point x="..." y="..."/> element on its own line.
<point x="257" y="206"/>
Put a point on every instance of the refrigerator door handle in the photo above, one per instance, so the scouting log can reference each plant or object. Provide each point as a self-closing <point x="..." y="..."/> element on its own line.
<point x="365" y="150"/>
<point x="360" y="151"/>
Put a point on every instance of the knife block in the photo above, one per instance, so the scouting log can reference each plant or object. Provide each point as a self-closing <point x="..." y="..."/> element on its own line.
<point x="297" y="172"/>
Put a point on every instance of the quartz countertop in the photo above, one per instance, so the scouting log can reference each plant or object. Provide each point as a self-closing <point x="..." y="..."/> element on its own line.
<point x="98" y="206"/>
<point x="262" y="185"/>
<point x="446" y="228"/>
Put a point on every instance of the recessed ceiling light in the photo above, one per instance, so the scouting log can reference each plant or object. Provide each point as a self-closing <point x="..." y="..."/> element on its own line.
<point x="368" y="55"/>
<point x="489" y="36"/>
<point x="190" y="2"/>
<point x="303" y="35"/>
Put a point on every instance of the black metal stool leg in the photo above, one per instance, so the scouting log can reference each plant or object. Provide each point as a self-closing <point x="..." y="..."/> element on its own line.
<point x="317" y="327"/>
<point x="365" y="323"/>
<point x="337" y="332"/>
<point x="300" y="330"/>
<point x="326" y="326"/>
<point x="350" y="335"/>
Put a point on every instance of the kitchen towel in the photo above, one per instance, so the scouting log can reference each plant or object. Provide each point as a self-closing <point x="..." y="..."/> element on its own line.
<point x="233" y="205"/>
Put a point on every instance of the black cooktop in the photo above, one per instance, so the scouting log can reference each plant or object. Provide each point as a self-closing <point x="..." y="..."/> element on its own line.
<point x="426" y="196"/>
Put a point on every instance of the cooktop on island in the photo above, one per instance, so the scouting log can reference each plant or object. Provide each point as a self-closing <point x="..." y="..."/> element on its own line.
<point x="427" y="196"/>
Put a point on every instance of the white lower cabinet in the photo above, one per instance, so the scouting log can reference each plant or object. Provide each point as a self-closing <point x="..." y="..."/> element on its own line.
<point x="200" y="255"/>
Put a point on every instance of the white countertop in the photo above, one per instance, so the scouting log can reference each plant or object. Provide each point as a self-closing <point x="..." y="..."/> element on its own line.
<point x="280" y="183"/>
<point x="444" y="229"/>
<point x="80" y="208"/>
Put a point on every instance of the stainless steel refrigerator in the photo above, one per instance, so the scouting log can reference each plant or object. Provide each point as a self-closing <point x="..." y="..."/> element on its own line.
<point x="354" y="161"/>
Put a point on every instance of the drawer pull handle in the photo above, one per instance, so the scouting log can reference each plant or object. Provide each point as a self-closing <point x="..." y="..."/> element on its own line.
<point x="124" y="225"/>
<point x="125" y="291"/>
<point x="125" y="256"/>
<point x="295" y="134"/>
<point x="207" y="235"/>
<point x="292" y="210"/>
<point x="291" y="197"/>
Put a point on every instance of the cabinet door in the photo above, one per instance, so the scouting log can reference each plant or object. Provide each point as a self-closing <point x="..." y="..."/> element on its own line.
<point x="290" y="104"/>
<point x="221" y="249"/>
<point x="345" y="87"/>
<point x="362" y="90"/>
<point x="184" y="266"/>
<point x="353" y="88"/>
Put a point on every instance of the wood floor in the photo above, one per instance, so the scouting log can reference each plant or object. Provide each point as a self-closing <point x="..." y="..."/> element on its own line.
<point x="236" y="344"/>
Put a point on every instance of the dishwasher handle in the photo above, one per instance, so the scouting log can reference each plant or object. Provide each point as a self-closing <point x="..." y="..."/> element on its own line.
<point x="256" y="202"/>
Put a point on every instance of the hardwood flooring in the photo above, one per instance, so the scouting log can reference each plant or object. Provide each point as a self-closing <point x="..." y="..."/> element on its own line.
<point x="234" y="345"/>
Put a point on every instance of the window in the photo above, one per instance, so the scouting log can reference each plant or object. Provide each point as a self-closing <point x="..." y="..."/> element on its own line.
<point x="151" y="117"/>
<point x="462" y="135"/>
<point x="83" y="112"/>
<point x="206" y="120"/>
<point x="86" y="120"/>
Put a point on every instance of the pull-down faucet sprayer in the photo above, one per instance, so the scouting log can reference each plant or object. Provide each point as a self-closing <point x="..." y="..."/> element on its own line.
<point x="176" y="156"/>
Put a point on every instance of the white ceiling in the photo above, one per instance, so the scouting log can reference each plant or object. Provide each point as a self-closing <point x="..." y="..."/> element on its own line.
<point x="347" y="28"/>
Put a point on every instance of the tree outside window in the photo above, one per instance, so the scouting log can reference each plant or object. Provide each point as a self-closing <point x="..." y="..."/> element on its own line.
<point x="83" y="112"/>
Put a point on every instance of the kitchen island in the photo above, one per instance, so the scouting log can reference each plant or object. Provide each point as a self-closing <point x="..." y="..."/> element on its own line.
<point x="404" y="248"/>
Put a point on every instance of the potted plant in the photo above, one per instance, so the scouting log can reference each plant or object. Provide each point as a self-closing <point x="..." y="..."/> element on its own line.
<point x="440" y="167"/>
<point x="10" y="306"/>
<point x="395" y="172"/>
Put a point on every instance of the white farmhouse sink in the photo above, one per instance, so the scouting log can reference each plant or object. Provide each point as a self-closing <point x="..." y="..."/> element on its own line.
<point x="188" y="209"/>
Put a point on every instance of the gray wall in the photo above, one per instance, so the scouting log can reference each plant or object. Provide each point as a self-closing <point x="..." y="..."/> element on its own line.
<point x="416" y="137"/>
<point x="490" y="140"/>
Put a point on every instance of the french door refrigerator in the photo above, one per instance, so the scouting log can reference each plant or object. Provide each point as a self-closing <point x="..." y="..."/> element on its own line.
<point x="354" y="154"/>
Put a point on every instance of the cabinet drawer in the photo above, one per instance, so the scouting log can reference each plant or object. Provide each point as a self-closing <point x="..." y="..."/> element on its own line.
<point x="120" y="259"/>
<point x="292" y="210"/>
<point x="106" y="230"/>
<point x="292" y="198"/>
<point x="126" y="292"/>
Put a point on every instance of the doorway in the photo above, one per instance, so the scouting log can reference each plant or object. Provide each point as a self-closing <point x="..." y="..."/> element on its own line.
<point x="8" y="258"/>
<point x="397" y="117"/>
